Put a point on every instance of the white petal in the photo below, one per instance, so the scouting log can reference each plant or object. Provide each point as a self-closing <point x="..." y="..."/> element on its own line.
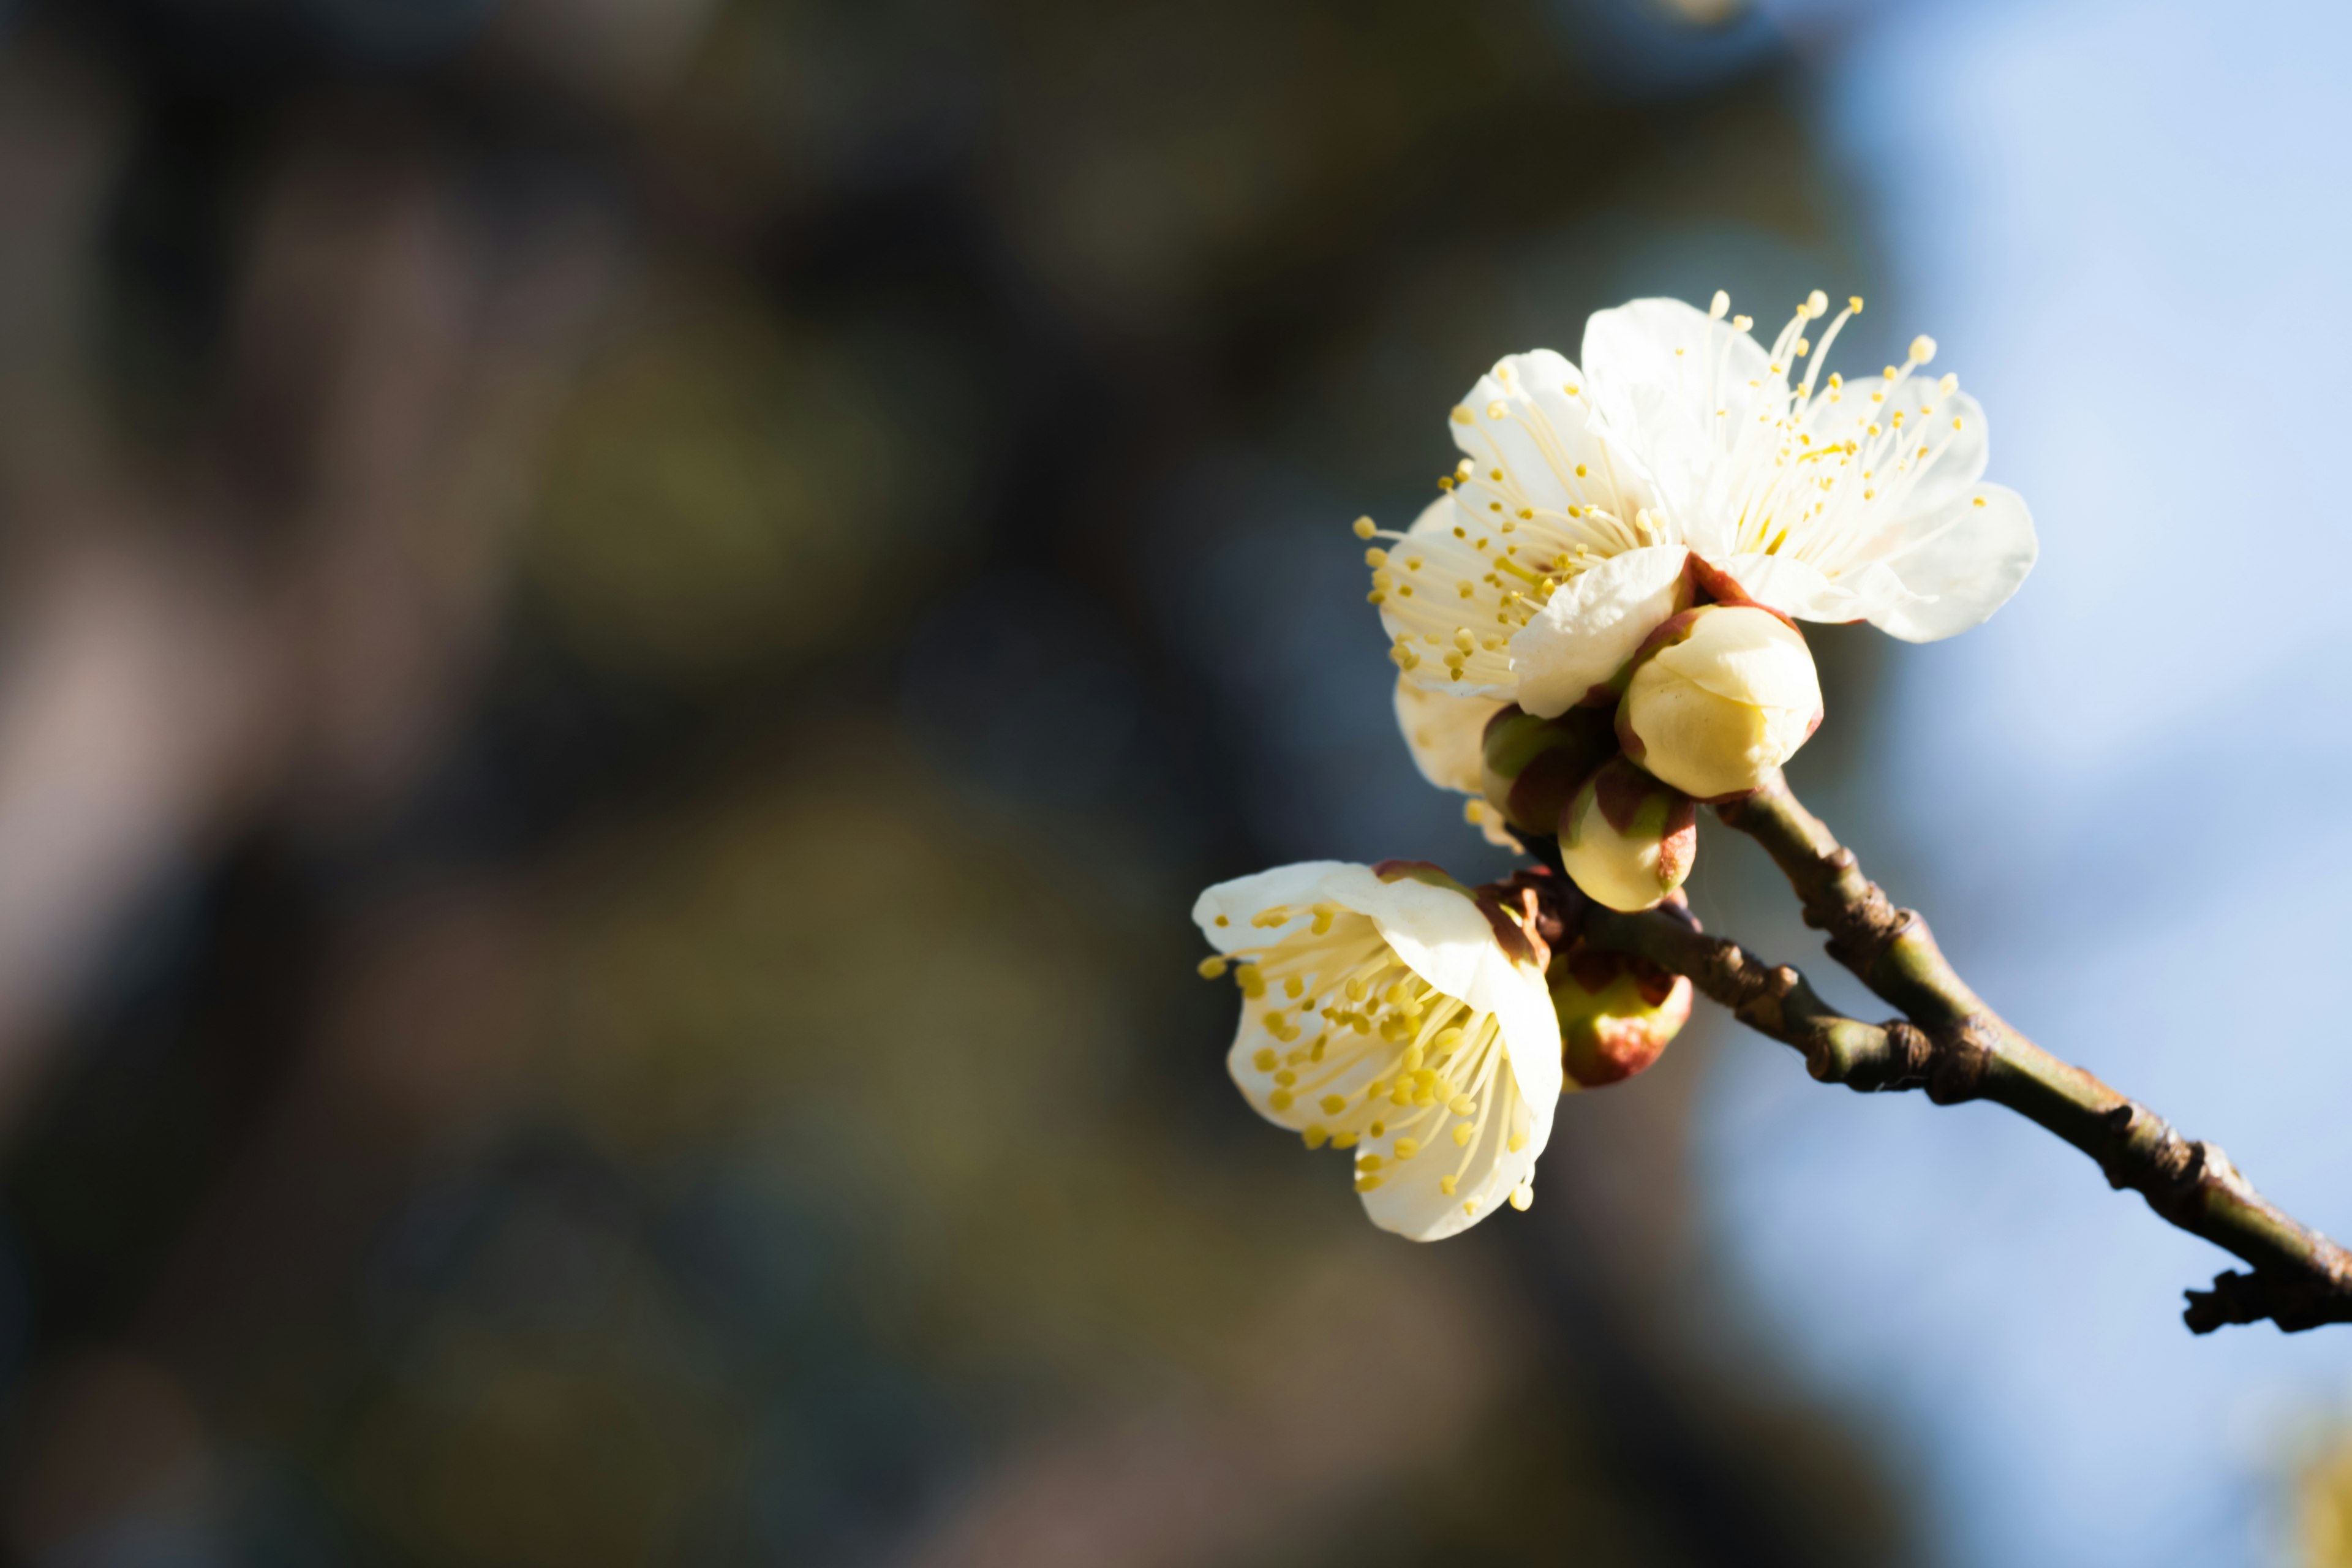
<point x="1411" y="1202"/>
<point x="1588" y="629"/>
<point x="1295" y="887"/>
<point x="1680" y="390"/>
<point x="1792" y="587"/>
<point x="1256" y="1084"/>
<point x="1522" y="418"/>
<point x="1956" y="457"/>
<point x="1444" y="734"/>
<point x="1445" y="559"/>
<point x="1959" y="566"/>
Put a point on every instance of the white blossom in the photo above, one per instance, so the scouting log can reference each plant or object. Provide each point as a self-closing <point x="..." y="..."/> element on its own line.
<point x="1384" y="1013"/>
<point x="1565" y="532"/>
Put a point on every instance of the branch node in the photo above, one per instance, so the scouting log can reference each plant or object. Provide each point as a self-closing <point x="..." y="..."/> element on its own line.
<point x="1961" y="1055"/>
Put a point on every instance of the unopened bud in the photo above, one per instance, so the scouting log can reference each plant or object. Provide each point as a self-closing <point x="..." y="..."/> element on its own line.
<point x="1530" y="766"/>
<point x="1617" y="1014"/>
<point x="1626" y="839"/>
<point x="1726" y="694"/>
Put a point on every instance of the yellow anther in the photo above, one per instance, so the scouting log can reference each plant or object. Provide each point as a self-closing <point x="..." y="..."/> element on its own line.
<point x="1743" y="322"/>
<point x="1376" y="597"/>
<point x="1378" y="1128"/>
<point x="1817" y="303"/>
<point x="1461" y="417"/>
<point x="1367" y="1183"/>
<point x="1446" y="1183"/>
<point x="1464" y="587"/>
<point x="1462" y="1135"/>
<point x="1211" y="968"/>
<point x="1447" y="1040"/>
<point x="1223" y="921"/>
<point x="1364" y="528"/>
<point x="1376" y="556"/>
<point x="1979" y="502"/>
<point x="1294" y="987"/>
<point x="1462" y="637"/>
<point x="1406" y="1148"/>
<point x="1368" y="1162"/>
<point x="1412" y="1058"/>
<point x="1279" y="1099"/>
<point x="1521" y="1197"/>
<point x="1923" y="349"/>
<point x="1517" y="1141"/>
<point x="1343" y="1140"/>
<point x="1496" y="410"/>
<point x="1316" y="1135"/>
<point x="1854" y="303"/>
<point x="1463" y="1105"/>
<point x="1287" y="1078"/>
<point x="1333" y="1104"/>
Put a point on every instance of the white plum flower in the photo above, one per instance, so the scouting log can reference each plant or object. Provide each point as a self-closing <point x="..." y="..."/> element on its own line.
<point x="1390" y="1012"/>
<point x="1568" y="531"/>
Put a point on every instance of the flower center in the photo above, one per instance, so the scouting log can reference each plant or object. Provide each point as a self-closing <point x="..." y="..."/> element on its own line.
<point x="1823" y="469"/>
<point x="1393" y="1067"/>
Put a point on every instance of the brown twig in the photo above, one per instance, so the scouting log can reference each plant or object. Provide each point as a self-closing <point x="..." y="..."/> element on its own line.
<point x="1957" y="1048"/>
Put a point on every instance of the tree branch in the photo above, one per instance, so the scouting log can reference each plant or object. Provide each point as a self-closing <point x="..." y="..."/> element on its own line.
<point x="1950" y="1043"/>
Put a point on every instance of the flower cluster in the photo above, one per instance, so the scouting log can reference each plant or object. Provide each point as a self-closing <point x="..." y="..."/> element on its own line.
<point x="1595" y="627"/>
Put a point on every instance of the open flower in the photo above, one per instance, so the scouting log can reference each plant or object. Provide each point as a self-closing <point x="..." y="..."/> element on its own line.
<point x="1390" y="1012"/>
<point x="1566" y="531"/>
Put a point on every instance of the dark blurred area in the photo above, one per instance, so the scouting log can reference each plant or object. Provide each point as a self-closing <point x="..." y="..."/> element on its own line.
<point x="629" y="625"/>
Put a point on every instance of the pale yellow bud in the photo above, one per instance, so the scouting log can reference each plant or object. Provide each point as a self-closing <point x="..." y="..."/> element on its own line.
<point x="1714" y="714"/>
<point x="1627" y="840"/>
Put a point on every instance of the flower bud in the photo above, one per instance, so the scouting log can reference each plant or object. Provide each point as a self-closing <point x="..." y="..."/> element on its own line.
<point x="1626" y="839"/>
<point x="1617" y="1014"/>
<point x="1725" y="694"/>
<point x="1530" y="766"/>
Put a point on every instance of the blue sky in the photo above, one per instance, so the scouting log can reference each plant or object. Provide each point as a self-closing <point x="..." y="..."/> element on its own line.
<point x="2128" y="226"/>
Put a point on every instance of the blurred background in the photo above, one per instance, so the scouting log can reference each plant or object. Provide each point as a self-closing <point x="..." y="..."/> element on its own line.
<point x="627" y="625"/>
